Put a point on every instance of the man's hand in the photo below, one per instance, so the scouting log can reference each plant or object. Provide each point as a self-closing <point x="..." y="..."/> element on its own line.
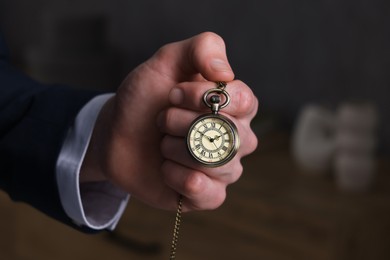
<point x="139" y="139"/>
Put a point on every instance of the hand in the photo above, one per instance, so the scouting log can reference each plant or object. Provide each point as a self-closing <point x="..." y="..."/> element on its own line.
<point x="138" y="139"/>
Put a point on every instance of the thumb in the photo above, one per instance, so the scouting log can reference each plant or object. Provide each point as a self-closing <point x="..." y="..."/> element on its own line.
<point x="203" y="54"/>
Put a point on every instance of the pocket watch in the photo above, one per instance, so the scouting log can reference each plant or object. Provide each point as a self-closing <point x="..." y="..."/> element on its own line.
<point x="213" y="138"/>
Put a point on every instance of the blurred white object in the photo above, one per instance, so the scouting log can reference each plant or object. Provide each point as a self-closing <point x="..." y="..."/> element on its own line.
<point x="354" y="172"/>
<point x="356" y="142"/>
<point x="346" y="140"/>
<point x="353" y="142"/>
<point x="313" y="142"/>
<point x="357" y="117"/>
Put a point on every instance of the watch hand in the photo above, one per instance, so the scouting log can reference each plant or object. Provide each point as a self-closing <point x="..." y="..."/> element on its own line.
<point x="203" y="135"/>
<point x="217" y="137"/>
<point x="209" y="138"/>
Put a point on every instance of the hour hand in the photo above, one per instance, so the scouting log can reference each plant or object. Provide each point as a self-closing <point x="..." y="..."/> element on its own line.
<point x="203" y="135"/>
<point x="209" y="138"/>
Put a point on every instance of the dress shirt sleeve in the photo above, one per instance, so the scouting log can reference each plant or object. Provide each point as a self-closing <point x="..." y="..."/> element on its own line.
<point x="97" y="205"/>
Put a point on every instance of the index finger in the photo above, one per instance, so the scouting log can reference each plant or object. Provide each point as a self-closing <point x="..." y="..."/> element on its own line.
<point x="189" y="95"/>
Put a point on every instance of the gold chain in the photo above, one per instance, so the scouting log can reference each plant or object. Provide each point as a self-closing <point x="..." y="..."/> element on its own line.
<point x="221" y="85"/>
<point x="176" y="228"/>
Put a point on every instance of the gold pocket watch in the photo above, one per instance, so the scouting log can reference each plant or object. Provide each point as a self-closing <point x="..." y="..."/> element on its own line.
<point x="213" y="138"/>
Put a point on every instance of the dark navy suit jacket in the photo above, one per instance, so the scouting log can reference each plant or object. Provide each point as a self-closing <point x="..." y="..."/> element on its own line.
<point x="34" y="119"/>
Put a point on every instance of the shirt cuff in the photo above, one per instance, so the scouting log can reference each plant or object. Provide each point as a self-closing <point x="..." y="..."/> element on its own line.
<point x="97" y="205"/>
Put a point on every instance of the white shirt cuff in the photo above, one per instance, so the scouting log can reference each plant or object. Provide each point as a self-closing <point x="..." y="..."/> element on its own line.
<point x="97" y="205"/>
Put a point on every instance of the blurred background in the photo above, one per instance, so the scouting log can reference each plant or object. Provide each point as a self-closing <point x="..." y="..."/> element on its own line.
<point x="318" y="185"/>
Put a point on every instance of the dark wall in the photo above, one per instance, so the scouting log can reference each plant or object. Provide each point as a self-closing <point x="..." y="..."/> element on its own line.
<point x="290" y="52"/>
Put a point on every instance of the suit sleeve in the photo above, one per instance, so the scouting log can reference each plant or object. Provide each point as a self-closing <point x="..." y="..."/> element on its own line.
<point x="34" y="119"/>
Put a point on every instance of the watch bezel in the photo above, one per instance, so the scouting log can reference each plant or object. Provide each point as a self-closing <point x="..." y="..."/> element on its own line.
<point x="235" y="143"/>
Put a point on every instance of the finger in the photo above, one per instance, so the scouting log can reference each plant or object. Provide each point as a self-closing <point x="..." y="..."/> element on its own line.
<point x="176" y="121"/>
<point x="199" y="191"/>
<point x="174" y="149"/>
<point x="189" y="95"/>
<point x="248" y="139"/>
<point x="204" y="54"/>
<point x="253" y="113"/>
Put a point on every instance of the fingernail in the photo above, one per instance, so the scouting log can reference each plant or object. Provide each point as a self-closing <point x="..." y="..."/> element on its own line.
<point x="219" y="65"/>
<point x="176" y="96"/>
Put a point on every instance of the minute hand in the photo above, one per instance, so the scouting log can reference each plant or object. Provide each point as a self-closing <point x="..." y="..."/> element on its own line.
<point x="217" y="137"/>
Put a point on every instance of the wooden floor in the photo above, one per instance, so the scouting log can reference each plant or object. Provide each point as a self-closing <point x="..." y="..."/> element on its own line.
<point x="274" y="213"/>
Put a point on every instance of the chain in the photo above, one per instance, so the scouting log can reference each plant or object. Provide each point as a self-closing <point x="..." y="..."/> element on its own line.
<point x="221" y="85"/>
<point x="176" y="228"/>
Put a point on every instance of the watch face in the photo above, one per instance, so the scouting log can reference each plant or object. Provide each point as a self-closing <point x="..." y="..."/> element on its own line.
<point x="213" y="140"/>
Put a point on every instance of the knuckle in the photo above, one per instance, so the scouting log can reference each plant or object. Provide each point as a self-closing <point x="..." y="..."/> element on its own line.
<point x="210" y="36"/>
<point x="231" y="172"/>
<point x="193" y="185"/>
<point x="253" y="143"/>
<point x="163" y="54"/>
<point x="205" y="40"/>
<point x="164" y="50"/>
<point x="201" y="195"/>
<point x="218" y="199"/>
<point x="236" y="172"/>
<point x="244" y="101"/>
<point x="250" y="142"/>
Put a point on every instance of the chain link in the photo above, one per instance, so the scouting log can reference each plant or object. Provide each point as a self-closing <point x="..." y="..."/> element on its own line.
<point x="176" y="228"/>
<point x="221" y="85"/>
